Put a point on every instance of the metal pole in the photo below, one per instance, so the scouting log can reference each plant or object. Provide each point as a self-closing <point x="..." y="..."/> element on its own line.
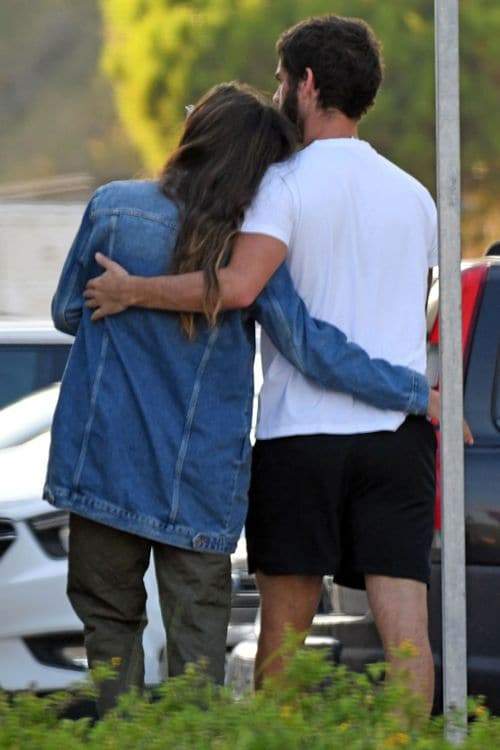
<point x="451" y="376"/>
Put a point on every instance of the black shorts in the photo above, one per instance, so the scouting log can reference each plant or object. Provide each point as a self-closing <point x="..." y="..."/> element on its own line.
<point x="344" y="505"/>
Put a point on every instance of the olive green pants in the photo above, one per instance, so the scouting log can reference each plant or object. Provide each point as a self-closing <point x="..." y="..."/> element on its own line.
<point x="106" y="589"/>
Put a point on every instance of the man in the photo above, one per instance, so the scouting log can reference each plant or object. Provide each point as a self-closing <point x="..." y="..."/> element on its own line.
<point x="337" y="486"/>
<point x="372" y="230"/>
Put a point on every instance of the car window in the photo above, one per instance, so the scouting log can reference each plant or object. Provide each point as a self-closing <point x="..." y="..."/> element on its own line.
<point x="25" y="368"/>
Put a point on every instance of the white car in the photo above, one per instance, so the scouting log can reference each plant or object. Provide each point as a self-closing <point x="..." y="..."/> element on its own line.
<point x="41" y="641"/>
<point x="40" y="637"/>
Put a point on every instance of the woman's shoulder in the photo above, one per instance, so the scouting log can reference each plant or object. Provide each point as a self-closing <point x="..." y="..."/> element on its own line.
<point x="131" y="196"/>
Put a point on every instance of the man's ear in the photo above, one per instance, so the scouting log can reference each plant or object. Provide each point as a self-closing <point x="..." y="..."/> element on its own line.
<point x="309" y="83"/>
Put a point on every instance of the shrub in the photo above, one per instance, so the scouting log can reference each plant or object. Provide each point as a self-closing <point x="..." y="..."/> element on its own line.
<point x="314" y="706"/>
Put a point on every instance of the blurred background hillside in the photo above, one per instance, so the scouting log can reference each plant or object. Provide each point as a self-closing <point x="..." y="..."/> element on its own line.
<point x="93" y="91"/>
<point x="56" y="108"/>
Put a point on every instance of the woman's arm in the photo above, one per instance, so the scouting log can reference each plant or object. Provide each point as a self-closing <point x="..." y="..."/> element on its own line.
<point x="319" y="350"/>
<point x="322" y="352"/>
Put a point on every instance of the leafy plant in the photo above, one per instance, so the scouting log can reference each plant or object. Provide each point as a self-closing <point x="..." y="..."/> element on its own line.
<point x="315" y="705"/>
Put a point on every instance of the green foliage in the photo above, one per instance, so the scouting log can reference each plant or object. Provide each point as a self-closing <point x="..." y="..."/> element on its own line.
<point x="162" y="54"/>
<point x="315" y="706"/>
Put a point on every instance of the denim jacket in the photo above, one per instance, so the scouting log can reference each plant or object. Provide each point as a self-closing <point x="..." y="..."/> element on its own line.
<point x="151" y="431"/>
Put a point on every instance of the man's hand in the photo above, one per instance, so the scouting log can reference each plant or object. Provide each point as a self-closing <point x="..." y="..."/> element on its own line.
<point x="110" y="293"/>
<point x="434" y="409"/>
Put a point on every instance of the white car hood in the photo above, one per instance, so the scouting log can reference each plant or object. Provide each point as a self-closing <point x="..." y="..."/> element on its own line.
<point x="28" y="417"/>
<point x="22" y="476"/>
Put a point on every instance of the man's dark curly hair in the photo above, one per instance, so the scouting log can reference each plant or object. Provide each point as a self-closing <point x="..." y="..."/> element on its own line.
<point x="343" y="54"/>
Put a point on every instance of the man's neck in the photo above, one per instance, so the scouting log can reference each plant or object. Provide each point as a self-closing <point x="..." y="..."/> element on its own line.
<point x="321" y="125"/>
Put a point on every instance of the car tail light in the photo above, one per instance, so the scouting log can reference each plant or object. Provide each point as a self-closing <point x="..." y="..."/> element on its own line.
<point x="473" y="281"/>
<point x="52" y="532"/>
<point x="7" y="536"/>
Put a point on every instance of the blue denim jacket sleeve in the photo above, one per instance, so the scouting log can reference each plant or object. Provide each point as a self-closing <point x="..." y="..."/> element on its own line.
<point x="322" y="352"/>
<point x="67" y="303"/>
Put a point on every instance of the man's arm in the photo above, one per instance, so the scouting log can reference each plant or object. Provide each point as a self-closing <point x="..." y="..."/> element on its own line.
<point x="254" y="259"/>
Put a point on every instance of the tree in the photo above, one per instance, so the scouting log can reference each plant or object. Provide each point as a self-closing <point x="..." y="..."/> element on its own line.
<point x="162" y="54"/>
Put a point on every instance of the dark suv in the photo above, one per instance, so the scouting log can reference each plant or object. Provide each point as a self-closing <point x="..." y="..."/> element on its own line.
<point x="481" y="358"/>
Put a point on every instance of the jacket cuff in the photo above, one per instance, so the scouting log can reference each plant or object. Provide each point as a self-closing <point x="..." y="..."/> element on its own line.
<point x="419" y="397"/>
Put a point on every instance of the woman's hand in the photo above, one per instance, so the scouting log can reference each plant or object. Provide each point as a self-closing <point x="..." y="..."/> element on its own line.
<point x="434" y="412"/>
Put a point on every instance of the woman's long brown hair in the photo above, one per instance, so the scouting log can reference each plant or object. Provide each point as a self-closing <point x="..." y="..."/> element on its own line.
<point x="230" y="138"/>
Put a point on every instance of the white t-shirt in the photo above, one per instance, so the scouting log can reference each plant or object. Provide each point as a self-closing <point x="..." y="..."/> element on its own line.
<point x="361" y="235"/>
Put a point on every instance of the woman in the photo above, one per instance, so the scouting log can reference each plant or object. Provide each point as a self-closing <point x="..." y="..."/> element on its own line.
<point x="150" y="440"/>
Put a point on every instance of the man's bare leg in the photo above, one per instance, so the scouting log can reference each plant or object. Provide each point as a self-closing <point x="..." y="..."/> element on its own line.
<point x="399" y="607"/>
<point x="285" y="601"/>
